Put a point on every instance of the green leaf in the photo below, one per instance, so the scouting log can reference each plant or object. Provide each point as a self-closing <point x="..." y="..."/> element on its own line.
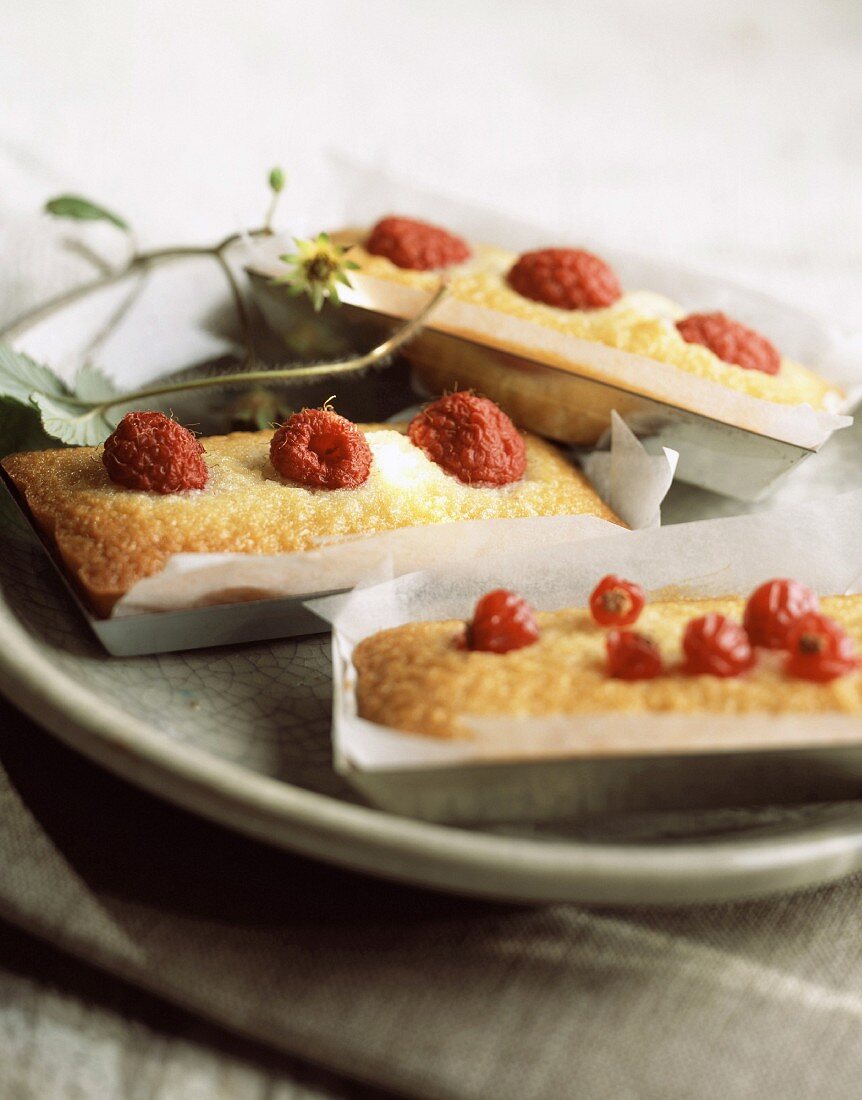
<point x="92" y="384"/>
<point x="36" y="387"/>
<point x="277" y="180"/>
<point x="80" y="209"/>
<point x="20" y="376"/>
<point x="21" y="429"/>
<point x="69" y="422"/>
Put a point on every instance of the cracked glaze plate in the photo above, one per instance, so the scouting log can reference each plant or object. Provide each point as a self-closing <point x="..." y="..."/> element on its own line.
<point x="241" y="734"/>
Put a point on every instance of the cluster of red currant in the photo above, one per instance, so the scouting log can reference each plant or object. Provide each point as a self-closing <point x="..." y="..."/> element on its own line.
<point x="780" y="614"/>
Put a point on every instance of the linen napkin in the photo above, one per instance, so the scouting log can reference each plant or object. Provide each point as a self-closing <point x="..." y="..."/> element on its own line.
<point x="423" y="994"/>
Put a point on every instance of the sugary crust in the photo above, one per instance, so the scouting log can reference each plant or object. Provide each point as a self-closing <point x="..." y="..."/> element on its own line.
<point x="415" y="678"/>
<point x="109" y="537"/>
<point x="640" y="322"/>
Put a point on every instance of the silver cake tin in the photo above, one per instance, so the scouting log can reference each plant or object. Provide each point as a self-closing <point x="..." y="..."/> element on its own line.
<point x="193" y="628"/>
<point x="571" y="787"/>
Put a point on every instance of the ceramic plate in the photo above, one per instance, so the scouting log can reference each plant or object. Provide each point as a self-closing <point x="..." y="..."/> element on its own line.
<point x="241" y="734"/>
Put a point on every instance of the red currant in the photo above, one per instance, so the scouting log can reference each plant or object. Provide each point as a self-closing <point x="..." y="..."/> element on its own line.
<point x="502" y="621"/>
<point x="632" y="656"/>
<point x="616" y="602"/>
<point x="774" y="608"/>
<point x="716" y="646"/>
<point x="819" y="650"/>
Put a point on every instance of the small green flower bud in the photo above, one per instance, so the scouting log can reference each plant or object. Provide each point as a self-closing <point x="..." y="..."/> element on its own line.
<point x="277" y="180"/>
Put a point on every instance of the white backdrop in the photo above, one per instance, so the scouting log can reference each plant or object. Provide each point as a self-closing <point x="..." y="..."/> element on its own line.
<point x="723" y="134"/>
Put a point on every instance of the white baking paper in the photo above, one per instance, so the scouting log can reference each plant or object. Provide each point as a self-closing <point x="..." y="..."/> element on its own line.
<point x="819" y="544"/>
<point x="633" y="482"/>
<point x="200" y="580"/>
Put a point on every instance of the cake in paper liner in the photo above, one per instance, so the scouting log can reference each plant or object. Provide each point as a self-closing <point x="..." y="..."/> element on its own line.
<point x="246" y="503"/>
<point x="632" y="483"/>
<point x="507" y="763"/>
<point x="542" y="402"/>
<point x="562" y="373"/>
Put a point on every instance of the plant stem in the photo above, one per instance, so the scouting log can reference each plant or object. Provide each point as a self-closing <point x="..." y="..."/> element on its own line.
<point x="273" y="206"/>
<point x="138" y="260"/>
<point x="241" y="311"/>
<point x="319" y="370"/>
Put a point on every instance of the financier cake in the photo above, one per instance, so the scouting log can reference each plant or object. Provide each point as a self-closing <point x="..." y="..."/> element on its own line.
<point x="782" y="652"/>
<point x="576" y="293"/>
<point x="347" y="480"/>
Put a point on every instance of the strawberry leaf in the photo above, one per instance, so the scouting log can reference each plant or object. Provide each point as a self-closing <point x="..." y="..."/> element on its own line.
<point x="65" y="414"/>
<point x="80" y="209"/>
<point x="21" y="429"/>
<point x="92" y="384"/>
<point x="68" y="421"/>
<point x="20" y="376"/>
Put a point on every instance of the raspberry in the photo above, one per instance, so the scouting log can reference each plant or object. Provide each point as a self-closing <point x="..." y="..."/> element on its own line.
<point x="567" y="278"/>
<point x="716" y="646"/>
<point x="616" y="602"/>
<point x="772" y="610"/>
<point x="632" y="656"/>
<point x="471" y="438"/>
<point x="502" y="621"/>
<point x="149" y="451"/>
<point x="318" y="447"/>
<point x="416" y="245"/>
<point x="731" y="341"/>
<point x="819" y="650"/>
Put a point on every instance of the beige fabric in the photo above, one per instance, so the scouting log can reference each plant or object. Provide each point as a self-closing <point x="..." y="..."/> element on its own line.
<point x="71" y="1032"/>
<point x="423" y="994"/>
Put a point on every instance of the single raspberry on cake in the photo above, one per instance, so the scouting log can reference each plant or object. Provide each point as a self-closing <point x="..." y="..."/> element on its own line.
<point x="819" y="650"/>
<point x="416" y="245"/>
<point x="568" y="278"/>
<point x="471" y="438"/>
<point x="716" y="646"/>
<point x="774" y="608"/>
<point x="731" y="341"/>
<point x="632" y="656"/>
<point x="149" y="451"/>
<point x="616" y="602"/>
<point x="502" y="621"/>
<point x="319" y="448"/>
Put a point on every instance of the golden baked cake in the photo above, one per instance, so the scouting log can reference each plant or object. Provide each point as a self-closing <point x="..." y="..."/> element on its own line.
<point x="422" y="678"/>
<point x="108" y="536"/>
<point x="634" y="320"/>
